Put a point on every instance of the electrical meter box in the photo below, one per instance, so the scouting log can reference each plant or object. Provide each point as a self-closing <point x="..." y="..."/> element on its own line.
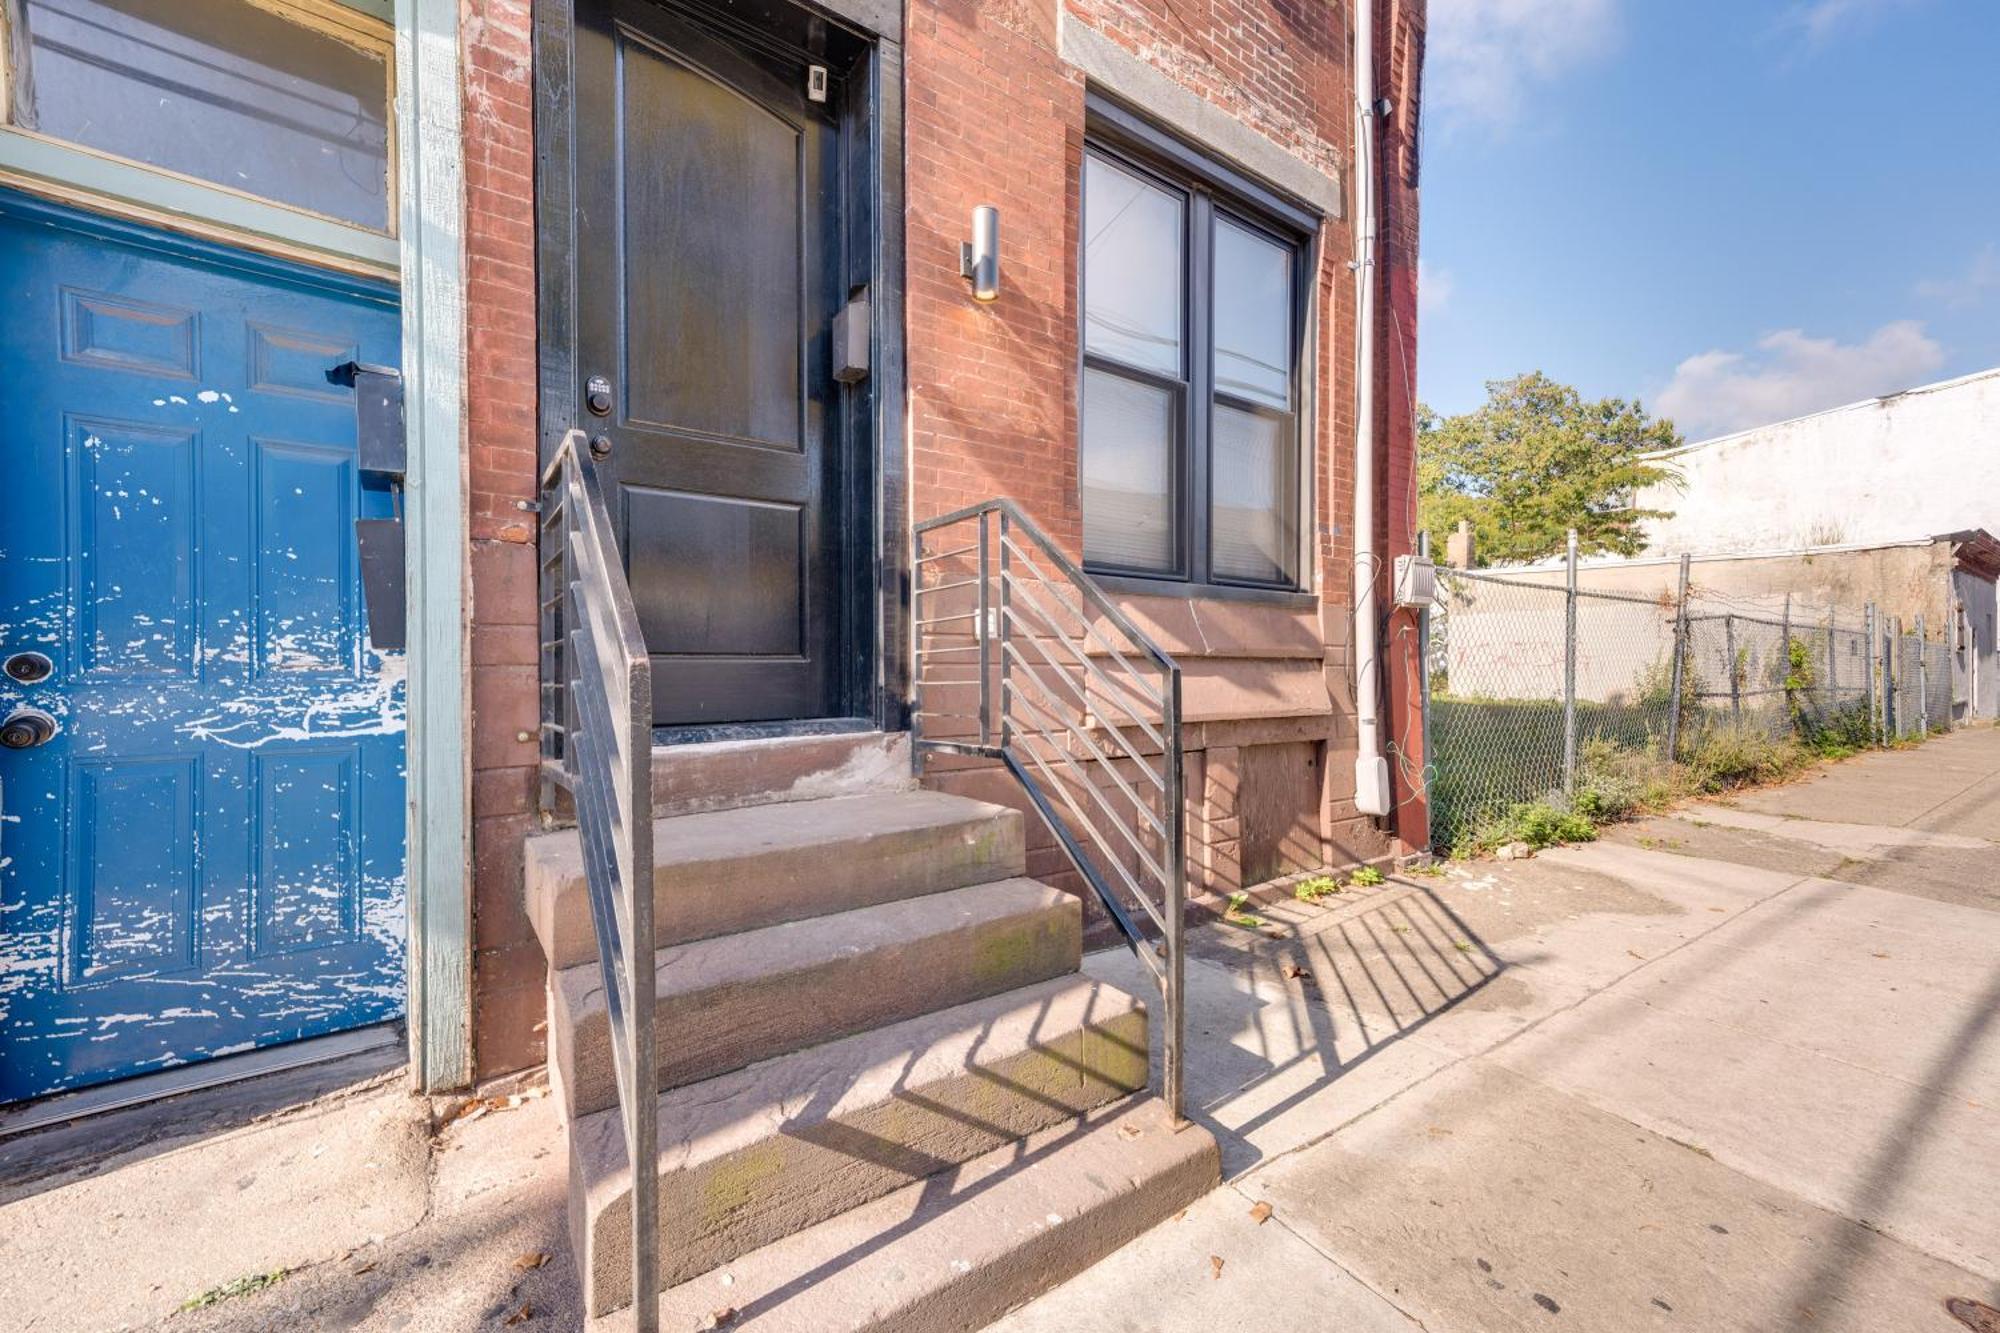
<point x="1416" y="581"/>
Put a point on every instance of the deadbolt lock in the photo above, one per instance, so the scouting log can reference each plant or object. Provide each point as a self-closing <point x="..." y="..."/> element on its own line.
<point x="597" y="396"/>
<point x="29" y="668"/>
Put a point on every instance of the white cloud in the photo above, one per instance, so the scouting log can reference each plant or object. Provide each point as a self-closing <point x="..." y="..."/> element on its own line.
<point x="1819" y="21"/>
<point x="1790" y="374"/>
<point x="1486" y="54"/>
<point x="1980" y="279"/>
<point x="1434" y="288"/>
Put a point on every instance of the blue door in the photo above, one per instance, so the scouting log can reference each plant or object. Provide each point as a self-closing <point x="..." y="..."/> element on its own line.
<point x="207" y="855"/>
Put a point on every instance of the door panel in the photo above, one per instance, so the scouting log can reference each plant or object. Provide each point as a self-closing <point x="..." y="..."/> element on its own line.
<point x="709" y="254"/>
<point x="208" y="856"/>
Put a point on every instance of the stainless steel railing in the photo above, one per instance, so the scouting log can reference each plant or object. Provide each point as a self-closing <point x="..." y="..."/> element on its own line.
<point x="1019" y="657"/>
<point x="597" y="743"/>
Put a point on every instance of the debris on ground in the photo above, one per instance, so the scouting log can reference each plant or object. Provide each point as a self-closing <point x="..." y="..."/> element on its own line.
<point x="1215" y="1265"/>
<point x="247" y="1285"/>
<point x="1260" y="1213"/>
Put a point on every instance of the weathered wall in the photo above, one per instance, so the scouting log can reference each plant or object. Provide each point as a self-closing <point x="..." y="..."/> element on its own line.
<point x="508" y="967"/>
<point x="1915" y="464"/>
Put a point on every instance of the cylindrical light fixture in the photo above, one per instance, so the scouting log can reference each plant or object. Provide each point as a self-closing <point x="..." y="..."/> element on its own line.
<point x="979" y="258"/>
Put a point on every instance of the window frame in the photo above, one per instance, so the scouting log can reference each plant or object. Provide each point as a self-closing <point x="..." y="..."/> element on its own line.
<point x="76" y="173"/>
<point x="1212" y="192"/>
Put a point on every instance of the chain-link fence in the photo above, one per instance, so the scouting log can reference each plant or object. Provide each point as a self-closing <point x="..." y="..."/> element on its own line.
<point x="1536" y="690"/>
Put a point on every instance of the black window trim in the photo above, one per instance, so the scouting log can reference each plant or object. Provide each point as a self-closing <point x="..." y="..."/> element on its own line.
<point x="1210" y="189"/>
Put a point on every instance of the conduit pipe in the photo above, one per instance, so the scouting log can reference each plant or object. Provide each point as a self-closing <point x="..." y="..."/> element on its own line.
<point x="1371" y="769"/>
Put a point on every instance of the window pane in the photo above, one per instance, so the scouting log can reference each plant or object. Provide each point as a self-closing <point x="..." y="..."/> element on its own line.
<point x="1253" y="316"/>
<point x="227" y="92"/>
<point x="1128" y="472"/>
<point x="1253" y="484"/>
<point x="1131" y="268"/>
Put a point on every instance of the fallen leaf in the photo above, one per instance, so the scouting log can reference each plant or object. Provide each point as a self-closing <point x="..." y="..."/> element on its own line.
<point x="1181" y="1214"/>
<point x="368" y="1267"/>
<point x="1636" y="954"/>
<point x="535" y="1260"/>
<point x="1881" y="955"/>
<point x="1128" y="1130"/>
<point x="1261" y="1213"/>
<point x="717" y="1319"/>
<point x="520" y="1316"/>
<point x="1215" y="1265"/>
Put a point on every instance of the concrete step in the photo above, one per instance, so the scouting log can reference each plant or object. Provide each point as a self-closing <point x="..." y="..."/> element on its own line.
<point x="766" y="1151"/>
<point x="730" y="870"/>
<point x="726" y="775"/>
<point x="955" y="1252"/>
<point x="731" y="1001"/>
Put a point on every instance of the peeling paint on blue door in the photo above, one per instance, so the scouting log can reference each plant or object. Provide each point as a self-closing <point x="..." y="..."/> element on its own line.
<point x="208" y="856"/>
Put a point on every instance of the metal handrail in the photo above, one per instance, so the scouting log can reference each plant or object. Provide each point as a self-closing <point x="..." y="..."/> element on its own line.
<point x="597" y="741"/>
<point x="1089" y="727"/>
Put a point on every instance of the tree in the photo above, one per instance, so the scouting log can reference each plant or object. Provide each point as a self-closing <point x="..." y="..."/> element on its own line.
<point x="1535" y="461"/>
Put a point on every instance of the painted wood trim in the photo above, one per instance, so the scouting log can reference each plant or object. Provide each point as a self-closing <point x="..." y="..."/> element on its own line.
<point x="37" y="161"/>
<point x="439" y="780"/>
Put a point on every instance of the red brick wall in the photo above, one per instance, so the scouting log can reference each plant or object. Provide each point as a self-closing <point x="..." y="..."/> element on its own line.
<point x="500" y="456"/>
<point x="1400" y="37"/>
<point x="994" y="115"/>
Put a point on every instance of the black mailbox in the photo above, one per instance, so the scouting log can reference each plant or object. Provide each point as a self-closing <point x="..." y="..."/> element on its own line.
<point x="380" y="452"/>
<point x="378" y="416"/>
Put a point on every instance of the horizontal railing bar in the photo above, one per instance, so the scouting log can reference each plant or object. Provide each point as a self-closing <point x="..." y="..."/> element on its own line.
<point x="946" y="620"/>
<point x="970" y="749"/>
<point x="925" y="557"/>
<point x="923" y="589"/>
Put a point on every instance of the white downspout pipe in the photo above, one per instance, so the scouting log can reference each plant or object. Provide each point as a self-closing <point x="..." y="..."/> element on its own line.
<point x="1371" y="769"/>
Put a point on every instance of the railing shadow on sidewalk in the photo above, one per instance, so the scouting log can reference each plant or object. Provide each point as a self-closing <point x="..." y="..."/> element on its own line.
<point x="1278" y="1013"/>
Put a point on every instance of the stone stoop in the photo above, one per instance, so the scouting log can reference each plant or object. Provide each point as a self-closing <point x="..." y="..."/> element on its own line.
<point x="858" y="997"/>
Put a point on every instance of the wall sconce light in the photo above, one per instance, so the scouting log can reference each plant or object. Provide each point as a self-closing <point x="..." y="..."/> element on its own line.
<point x="979" y="258"/>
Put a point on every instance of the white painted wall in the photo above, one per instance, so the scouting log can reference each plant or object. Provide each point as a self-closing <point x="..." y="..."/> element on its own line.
<point x="1918" y="464"/>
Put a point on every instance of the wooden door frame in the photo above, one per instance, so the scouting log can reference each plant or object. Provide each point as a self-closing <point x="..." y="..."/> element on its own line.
<point x="874" y="679"/>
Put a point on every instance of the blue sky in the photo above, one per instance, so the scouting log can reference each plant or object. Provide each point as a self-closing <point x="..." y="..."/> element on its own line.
<point x="1735" y="210"/>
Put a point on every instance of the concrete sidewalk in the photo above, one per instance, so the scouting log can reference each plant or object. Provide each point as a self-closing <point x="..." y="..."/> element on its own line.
<point x="1738" y="1069"/>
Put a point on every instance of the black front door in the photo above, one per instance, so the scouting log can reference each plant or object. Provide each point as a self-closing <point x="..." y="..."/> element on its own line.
<point x="710" y="262"/>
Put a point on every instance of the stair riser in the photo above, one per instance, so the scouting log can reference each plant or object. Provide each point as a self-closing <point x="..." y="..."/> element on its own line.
<point x="698" y="899"/>
<point x="744" y="1199"/>
<point x="692" y="779"/>
<point x="713" y="1030"/>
